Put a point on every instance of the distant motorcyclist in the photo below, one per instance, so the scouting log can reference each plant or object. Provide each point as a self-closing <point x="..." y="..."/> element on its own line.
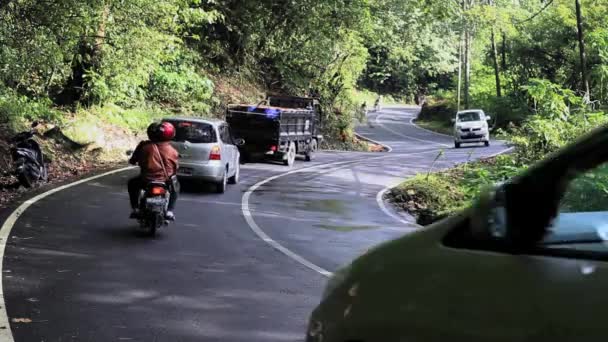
<point x="158" y="162"/>
<point x="378" y="104"/>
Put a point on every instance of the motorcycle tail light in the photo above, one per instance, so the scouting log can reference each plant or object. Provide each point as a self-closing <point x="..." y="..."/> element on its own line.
<point x="158" y="191"/>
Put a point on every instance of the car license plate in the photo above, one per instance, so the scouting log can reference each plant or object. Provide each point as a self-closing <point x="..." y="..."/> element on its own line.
<point x="184" y="171"/>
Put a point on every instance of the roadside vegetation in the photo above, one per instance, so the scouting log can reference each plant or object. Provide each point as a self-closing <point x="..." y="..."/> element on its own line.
<point x="97" y="72"/>
<point x="542" y="92"/>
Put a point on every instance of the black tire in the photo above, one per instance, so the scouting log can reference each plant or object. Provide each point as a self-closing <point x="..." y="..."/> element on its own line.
<point x="154" y="224"/>
<point x="237" y="175"/>
<point x="25" y="180"/>
<point x="290" y="156"/>
<point x="487" y="143"/>
<point x="312" y="148"/>
<point x="456" y="144"/>
<point x="220" y="187"/>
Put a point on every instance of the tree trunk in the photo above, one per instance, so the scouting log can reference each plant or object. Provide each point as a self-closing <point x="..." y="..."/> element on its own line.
<point x="460" y="70"/>
<point x="90" y="55"/>
<point x="503" y="53"/>
<point x="467" y="68"/>
<point x="581" y="43"/>
<point x="100" y="36"/>
<point x="495" y="60"/>
<point x="466" y="4"/>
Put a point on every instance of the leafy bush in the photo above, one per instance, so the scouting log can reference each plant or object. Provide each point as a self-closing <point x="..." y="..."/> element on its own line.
<point x="539" y="136"/>
<point x="440" y="110"/>
<point x="552" y="101"/>
<point x="181" y="86"/>
<point x="428" y="198"/>
<point x="435" y="196"/>
<point x="16" y="110"/>
<point x="136" y="120"/>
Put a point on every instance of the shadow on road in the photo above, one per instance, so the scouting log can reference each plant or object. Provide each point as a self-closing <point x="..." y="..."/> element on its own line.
<point x="130" y="233"/>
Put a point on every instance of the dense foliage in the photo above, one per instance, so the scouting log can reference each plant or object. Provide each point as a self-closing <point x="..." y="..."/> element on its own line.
<point x="73" y="54"/>
<point x="515" y="59"/>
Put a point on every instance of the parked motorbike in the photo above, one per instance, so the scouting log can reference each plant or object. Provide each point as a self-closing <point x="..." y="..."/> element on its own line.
<point x="28" y="159"/>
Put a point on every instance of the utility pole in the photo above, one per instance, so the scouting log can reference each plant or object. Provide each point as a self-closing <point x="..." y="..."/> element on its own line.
<point x="581" y="43"/>
<point x="496" y="68"/>
<point x="467" y="58"/>
<point x="460" y="70"/>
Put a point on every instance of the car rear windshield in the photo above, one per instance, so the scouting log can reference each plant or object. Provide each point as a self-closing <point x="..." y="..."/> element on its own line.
<point x="469" y="116"/>
<point x="194" y="132"/>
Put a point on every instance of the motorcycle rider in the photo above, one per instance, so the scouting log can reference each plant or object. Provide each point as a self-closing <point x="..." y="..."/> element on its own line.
<point x="158" y="162"/>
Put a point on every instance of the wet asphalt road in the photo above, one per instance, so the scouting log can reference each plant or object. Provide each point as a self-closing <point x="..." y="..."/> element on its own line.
<point x="74" y="266"/>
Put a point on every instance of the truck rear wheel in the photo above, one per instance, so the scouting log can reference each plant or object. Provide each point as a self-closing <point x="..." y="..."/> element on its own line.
<point x="312" y="148"/>
<point x="290" y="156"/>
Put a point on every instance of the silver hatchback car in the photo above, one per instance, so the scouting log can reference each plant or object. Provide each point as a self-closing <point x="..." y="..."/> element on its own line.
<point x="208" y="151"/>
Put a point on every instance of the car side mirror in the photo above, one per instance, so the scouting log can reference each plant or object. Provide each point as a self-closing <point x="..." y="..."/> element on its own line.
<point x="502" y="215"/>
<point x="488" y="118"/>
<point x="489" y="215"/>
<point x="239" y="142"/>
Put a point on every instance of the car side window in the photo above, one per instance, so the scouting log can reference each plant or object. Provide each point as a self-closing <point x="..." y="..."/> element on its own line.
<point x="225" y="135"/>
<point x="588" y="192"/>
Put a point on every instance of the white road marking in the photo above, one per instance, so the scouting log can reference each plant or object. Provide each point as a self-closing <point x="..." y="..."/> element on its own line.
<point x="428" y="130"/>
<point x="388" y="148"/>
<point x="263" y="236"/>
<point x="6" y="335"/>
<point x="387" y="211"/>
<point x="276" y="245"/>
<point x="383" y="204"/>
<point x="406" y="136"/>
<point x="501" y="152"/>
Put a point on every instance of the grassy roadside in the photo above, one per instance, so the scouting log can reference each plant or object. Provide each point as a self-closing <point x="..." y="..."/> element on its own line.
<point x="437" y="115"/>
<point x="434" y="196"/>
<point x="82" y="140"/>
<point x="436" y="126"/>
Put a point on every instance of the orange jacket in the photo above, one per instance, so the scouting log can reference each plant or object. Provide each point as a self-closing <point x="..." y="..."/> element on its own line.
<point x="149" y="160"/>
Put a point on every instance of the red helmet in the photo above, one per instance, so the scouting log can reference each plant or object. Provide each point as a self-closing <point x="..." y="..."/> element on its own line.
<point x="166" y="131"/>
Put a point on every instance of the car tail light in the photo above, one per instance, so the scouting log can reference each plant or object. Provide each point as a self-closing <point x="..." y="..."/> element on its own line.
<point x="215" y="153"/>
<point x="158" y="191"/>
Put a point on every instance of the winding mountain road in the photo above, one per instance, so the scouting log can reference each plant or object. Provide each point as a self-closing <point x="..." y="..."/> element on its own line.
<point x="247" y="265"/>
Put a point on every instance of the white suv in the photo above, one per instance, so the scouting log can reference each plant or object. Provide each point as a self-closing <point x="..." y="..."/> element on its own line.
<point x="471" y="126"/>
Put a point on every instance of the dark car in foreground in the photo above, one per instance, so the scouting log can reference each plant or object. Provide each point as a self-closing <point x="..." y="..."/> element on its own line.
<point x="528" y="262"/>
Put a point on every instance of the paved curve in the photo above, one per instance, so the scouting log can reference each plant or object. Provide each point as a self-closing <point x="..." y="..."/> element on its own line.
<point x="75" y="268"/>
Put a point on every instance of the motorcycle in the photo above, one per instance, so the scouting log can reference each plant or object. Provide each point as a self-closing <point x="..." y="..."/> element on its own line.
<point x="28" y="158"/>
<point x="153" y="206"/>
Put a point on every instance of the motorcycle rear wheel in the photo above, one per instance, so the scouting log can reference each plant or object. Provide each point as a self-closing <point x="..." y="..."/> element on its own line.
<point x="153" y="225"/>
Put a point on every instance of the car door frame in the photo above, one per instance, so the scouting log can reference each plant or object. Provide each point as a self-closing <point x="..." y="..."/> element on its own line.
<point x="228" y="145"/>
<point x="232" y="145"/>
